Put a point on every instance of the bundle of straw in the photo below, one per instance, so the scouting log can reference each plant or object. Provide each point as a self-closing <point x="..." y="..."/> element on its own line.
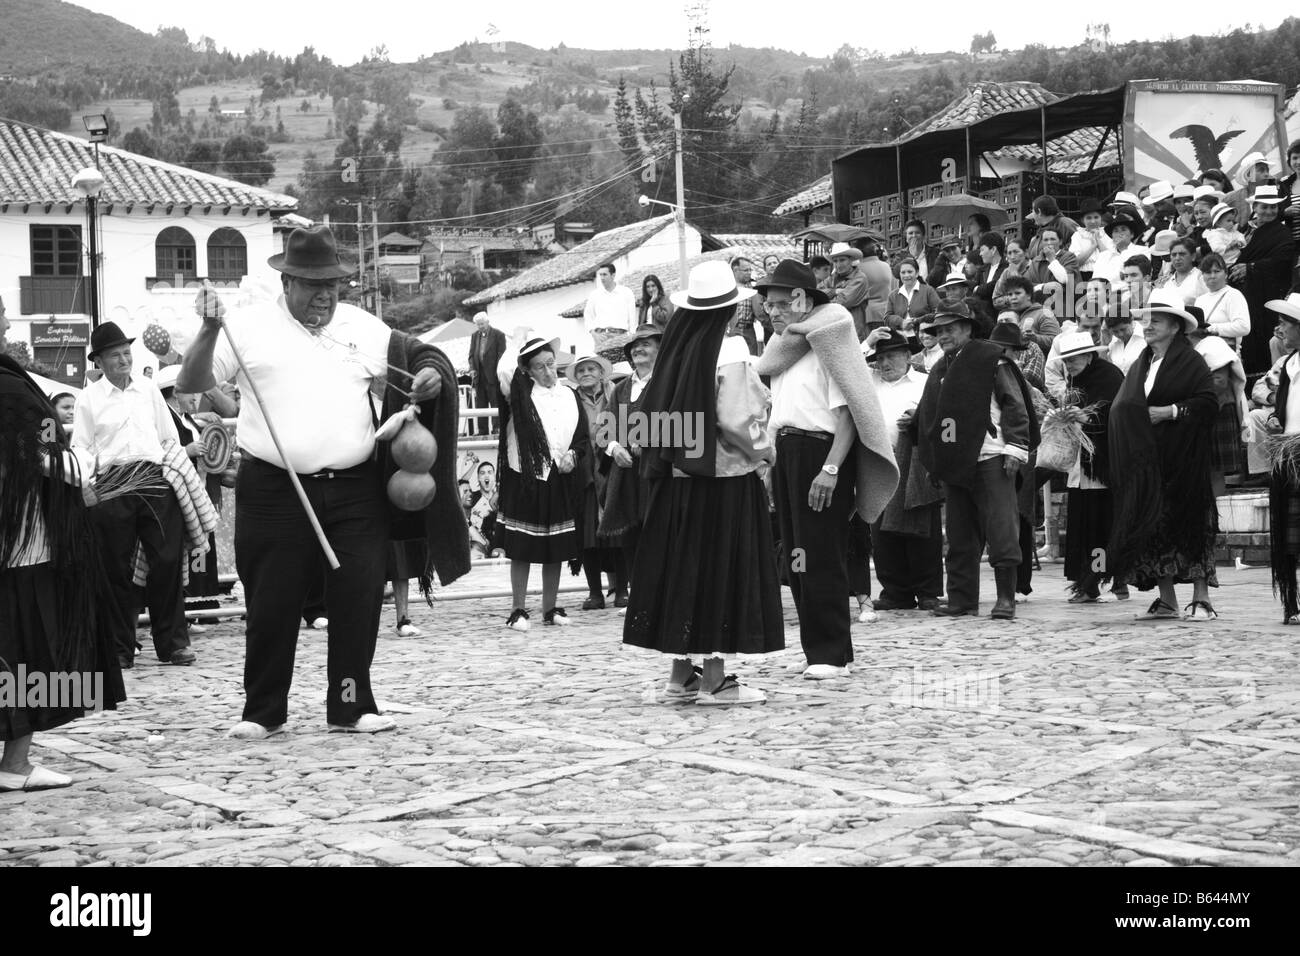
<point x="136" y="478"/>
<point x="1063" y="437"/>
<point x="1283" y="454"/>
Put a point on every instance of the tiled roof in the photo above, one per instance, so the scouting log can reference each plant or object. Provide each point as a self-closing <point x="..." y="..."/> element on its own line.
<point x="668" y="273"/>
<point x="810" y="197"/>
<point x="981" y="101"/>
<point x="579" y="264"/>
<point x="756" y="245"/>
<point x="1070" y="153"/>
<point x="397" y="239"/>
<point x="37" y="166"/>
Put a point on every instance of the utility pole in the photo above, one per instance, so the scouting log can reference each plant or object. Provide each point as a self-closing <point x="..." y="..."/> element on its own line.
<point x="681" y="204"/>
<point x="379" y="295"/>
<point x="361" y="254"/>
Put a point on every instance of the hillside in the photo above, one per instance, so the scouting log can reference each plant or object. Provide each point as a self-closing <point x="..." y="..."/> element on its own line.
<point x="41" y="35"/>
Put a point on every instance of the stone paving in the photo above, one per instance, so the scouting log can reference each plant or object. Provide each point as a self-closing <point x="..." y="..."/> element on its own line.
<point x="1073" y="736"/>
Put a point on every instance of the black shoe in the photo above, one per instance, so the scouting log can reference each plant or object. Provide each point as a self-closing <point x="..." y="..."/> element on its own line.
<point x="620" y="599"/>
<point x="125" y="662"/>
<point x="182" y="657"/>
<point x="948" y="610"/>
<point x="1005" y="607"/>
<point x="595" y="602"/>
<point x="928" y="604"/>
<point x="882" y="605"/>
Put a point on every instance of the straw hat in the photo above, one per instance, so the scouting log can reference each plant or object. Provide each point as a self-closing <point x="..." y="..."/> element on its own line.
<point x="711" y="285"/>
<point x="1070" y="344"/>
<point x="1288" y="308"/>
<point x="605" y="366"/>
<point x="1168" y="302"/>
<point x="1219" y="211"/>
<point x="1160" y="190"/>
<point x="843" y="250"/>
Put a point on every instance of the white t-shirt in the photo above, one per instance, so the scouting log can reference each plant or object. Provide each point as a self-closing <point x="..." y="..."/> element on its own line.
<point x="898" y="398"/>
<point x="804" y="396"/>
<point x="1227" y="312"/>
<point x="316" y="386"/>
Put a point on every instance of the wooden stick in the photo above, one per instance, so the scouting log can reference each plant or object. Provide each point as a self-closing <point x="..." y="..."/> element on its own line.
<point x="330" y="556"/>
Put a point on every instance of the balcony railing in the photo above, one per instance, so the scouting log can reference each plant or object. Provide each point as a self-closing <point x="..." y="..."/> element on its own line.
<point x="52" y="295"/>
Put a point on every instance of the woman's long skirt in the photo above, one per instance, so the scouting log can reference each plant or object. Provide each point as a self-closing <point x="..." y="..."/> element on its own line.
<point x="538" y="519"/>
<point x="1088" y="518"/>
<point x="705" y="577"/>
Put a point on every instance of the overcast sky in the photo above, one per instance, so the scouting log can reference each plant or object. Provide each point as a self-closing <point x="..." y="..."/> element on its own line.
<point x="346" y="31"/>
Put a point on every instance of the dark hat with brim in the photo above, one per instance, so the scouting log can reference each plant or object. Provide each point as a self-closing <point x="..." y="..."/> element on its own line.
<point x="642" y="333"/>
<point x="1135" y="226"/>
<point x="1091" y="205"/>
<point x="107" y="336"/>
<point x="311" y="253"/>
<point x="955" y="312"/>
<point x="896" y="342"/>
<point x="1008" y="333"/>
<point x="792" y="274"/>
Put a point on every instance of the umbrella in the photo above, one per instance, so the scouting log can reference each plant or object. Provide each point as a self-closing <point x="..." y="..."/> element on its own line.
<point x="455" y="329"/>
<point x="837" y="232"/>
<point x="51" y="387"/>
<point x="953" y="211"/>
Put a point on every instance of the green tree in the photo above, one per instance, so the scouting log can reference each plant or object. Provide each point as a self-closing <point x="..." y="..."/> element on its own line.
<point x="247" y="160"/>
<point x="516" y="147"/>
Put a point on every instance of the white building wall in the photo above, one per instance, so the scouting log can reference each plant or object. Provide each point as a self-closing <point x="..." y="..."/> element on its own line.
<point x="127" y="259"/>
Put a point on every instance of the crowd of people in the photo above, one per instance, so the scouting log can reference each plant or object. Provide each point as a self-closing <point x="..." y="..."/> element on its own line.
<point x="856" y="406"/>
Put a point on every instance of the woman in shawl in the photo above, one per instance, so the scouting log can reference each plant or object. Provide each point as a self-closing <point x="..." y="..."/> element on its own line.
<point x="1091" y="386"/>
<point x="1165" y="522"/>
<point x="705" y="580"/>
<point x="589" y="378"/>
<point x="544" y="464"/>
<point x="1263" y="272"/>
<point x="50" y="579"/>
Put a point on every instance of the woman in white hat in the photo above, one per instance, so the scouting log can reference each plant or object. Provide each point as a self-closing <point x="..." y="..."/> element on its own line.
<point x="1165" y="520"/>
<point x="589" y="376"/>
<point x="1091" y="384"/>
<point x="705" y="581"/>
<point x="1284" y="487"/>
<point x="1263" y="273"/>
<point x="544" y="470"/>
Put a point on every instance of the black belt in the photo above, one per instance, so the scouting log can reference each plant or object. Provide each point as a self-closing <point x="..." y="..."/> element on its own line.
<point x="803" y="432"/>
<point x="356" y="471"/>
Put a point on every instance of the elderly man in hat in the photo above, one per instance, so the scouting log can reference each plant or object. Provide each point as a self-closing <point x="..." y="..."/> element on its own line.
<point x="486" y="346"/>
<point x="832" y="456"/>
<point x="849" y="285"/>
<point x="313" y="362"/>
<point x="974" y="429"/>
<point x="120" y="425"/>
<point x="907" y="539"/>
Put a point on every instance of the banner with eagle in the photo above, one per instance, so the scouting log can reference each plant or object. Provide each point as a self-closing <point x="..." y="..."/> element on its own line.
<point x="1176" y="129"/>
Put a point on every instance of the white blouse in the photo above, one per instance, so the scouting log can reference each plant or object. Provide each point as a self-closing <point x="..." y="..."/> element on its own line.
<point x="1227" y="313"/>
<point x="557" y="407"/>
<point x="1151" y="376"/>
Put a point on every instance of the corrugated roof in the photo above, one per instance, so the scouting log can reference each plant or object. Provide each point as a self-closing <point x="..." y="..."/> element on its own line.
<point x="37" y="166"/>
<point x="1070" y="153"/>
<point x="757" y="244"/>
<point x="810" y="197"/>
<point x="980" y="101"/>
<point x="397" y="239"/>
<point x="578" y="264"/>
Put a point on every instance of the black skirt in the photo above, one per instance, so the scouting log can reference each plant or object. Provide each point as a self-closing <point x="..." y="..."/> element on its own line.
<point x="1087" y="531"/>
<point x="406" y="560"/>
<point x="537" y="518"/>
<point x="30" y="622"/>
<point x="705" y="577"/>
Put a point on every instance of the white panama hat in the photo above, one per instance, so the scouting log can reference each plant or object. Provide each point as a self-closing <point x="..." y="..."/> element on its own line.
<point x="712" y="285"/>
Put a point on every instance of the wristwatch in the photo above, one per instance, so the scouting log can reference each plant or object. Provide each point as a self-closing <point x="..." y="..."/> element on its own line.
<point x="832" y="470"/>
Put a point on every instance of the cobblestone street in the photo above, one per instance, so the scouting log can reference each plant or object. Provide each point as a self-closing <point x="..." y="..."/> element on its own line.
<point x="1074" y="735"/>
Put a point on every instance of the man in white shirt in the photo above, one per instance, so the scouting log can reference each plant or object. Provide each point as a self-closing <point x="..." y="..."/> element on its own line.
<point x="1125" y="346"/>
<point x="313" y="362"/>
<point x="610" y="313"/>
<point x="121" y="422"/>
<point x="813" y="480"/>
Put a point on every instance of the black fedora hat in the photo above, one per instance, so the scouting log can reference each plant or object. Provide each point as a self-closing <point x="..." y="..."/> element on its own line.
<point x="107" y="336"/>
<point x="1122" y="218"/>
<point x="1091" y="205"/>
<point x="792" y="274"/>
<point x="896" y="341"/>
<point x="1008" y="333"/>
<point x="646" y="331"/>
<point x="310" y="253"/>
<point x="950" y="312"/>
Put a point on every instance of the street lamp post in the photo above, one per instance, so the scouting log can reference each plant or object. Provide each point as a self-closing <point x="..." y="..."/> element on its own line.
<point x="678" y="208"/>
<point x="89" y="182"/>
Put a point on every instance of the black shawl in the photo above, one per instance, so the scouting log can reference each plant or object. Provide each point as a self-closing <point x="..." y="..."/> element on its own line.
<point x="1280" y="493"/>
<point x="1163" y="471"/>
<point x="685" y="382"/>
<point x="1098" y="384"/>
<point x="29" y="431"/>
<point x="442" y="524"/>
<point x="1268" y="256"/>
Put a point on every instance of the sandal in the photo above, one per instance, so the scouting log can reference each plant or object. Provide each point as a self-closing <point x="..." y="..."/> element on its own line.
<point x="688" y="689"/>
<point x="557" y="616"/>
<point x="1083" y="597"/>
<point x="406" y="629"/>
<point x="730" y="691"/>
<point x="518" y="620"/>
<point x="1200" y="611"/>
<point x="1293" y="618"/>
<point x="1159" y="611"/>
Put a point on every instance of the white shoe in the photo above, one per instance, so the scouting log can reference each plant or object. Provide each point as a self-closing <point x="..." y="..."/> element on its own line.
<point x="196" y="628"/>
<point x="518" y="620"/>
<point x="366" y="724"/>
<point x="320" y="624"/>
<point x="1022" y="598"/>
<point x="824" y="672"/>
<point x="407" y="629"/>
<point x="40" y="778"/>
<point x="622" y="612"/>
<point x="248" y="730"/>
<point x="730" y="692"/>
<point x="866" y="615"/>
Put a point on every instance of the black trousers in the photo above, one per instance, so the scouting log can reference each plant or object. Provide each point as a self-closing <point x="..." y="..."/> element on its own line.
<point x="155" y="522"/>
<point x="280" y="560"/>
<point x="815" y="547"/>
<point x="1028" y="547"/>
<point x="483" y="399"/>
<point x="859" y="556"/>
<point x="910" y="568"/>
<point x="985" y="513"/>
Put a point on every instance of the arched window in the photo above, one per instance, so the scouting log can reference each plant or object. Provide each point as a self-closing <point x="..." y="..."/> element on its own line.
<point x="227" y="254"/>
<point x="175" y="254"/>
